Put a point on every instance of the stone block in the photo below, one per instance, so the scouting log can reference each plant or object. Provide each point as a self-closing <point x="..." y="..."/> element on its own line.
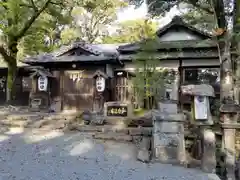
<point x="145" y="143"/>
<point x="97" y="119"/>
<point x="20" y="123"/>
<point x="198" y="90"/>
<point x="35" y="117"/>
<point x="113" y="136"/>
<point x="40" y="123"/>
<point x="170" y="155"/>
<point x="72" y="127"/>
<point x="114" y="128"/>
<point x="87" y="128"/>
<point x="166" y="154"/>
<point x="168" y="127"/>
<point x="165" y="139"/>
<point x="168" y="107"/>
<point x="147" y="131"/>
<point x="143" y="156"/>
<point x="3" y="116"/>
<point x="169" y="117"/>
<point x="56" y="105"/>
<point x="137" y="140"/>
<point x="16" y="117"/>
<point x="135" y="131"/>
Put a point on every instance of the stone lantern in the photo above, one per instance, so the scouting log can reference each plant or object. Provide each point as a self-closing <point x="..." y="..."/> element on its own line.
<point x="203" y="120"/>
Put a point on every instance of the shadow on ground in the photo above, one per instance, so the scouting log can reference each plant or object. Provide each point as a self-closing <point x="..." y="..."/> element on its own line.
<point x="53" y="155"/>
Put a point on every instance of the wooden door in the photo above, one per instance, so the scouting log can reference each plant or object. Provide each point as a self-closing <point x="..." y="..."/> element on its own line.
<point x="77" y="90"/>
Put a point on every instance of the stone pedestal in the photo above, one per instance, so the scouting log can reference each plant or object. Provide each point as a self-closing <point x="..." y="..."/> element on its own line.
<point x="208" y="161"/>
<point x="229" y="150"/>
<point x="230" y="115"/>
<point x="168" y="136"/>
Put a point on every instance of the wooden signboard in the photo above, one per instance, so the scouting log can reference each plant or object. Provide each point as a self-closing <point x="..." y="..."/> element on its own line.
<point x="117" y="110"/>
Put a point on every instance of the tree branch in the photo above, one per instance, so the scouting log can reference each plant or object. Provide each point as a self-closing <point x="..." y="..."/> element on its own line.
<point x="26" y="5"/>
<point x="4" y="53"/>
<point x="59" y="4"/>
<point x="3" y="4"/>
<point x="220" y="13"/>
<point x="34" y="6"/>
<point x="199" y="6"/>
<point x="28" y="24"/>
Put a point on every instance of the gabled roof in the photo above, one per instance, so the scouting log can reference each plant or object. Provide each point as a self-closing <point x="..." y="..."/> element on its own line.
<point x="96" y="52"/>
<point x="156" y="44"/>
<point x="80" y="44"/>
<point x="178" y="21"/>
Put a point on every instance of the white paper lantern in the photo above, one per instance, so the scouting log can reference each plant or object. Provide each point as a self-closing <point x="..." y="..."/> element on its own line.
<point x="42" y="83"/>
<point x="100" y="84"/>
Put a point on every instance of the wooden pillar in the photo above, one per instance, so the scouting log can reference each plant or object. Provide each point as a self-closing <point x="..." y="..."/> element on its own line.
<point x="181" y="78"/>
<point x="61" y="84"/>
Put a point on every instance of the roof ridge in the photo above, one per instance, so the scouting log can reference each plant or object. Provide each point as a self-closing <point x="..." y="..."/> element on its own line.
<point x="178" y="20"/>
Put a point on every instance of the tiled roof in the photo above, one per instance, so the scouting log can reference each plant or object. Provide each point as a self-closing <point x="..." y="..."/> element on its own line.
<point x="158" y="45"/>
<point x="114" y="52"/>
<point x="99" y="52"/>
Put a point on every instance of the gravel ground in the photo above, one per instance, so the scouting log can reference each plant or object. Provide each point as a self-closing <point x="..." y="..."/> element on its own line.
<point x="52" y="155"/>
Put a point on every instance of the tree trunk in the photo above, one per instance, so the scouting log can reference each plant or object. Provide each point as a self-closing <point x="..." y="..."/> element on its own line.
<point x="226" y="75"/>
<point x="227" y="99"/>
<point x="12" y="71"/>
<point x="11" y="76"/>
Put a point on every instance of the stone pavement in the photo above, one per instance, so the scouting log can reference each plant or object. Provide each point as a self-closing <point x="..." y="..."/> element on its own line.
<point x="52" y="155"/>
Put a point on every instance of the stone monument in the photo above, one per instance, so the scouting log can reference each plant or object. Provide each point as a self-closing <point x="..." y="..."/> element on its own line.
<point x="168" y="134"/>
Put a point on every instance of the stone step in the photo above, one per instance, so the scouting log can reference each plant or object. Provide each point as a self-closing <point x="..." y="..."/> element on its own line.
<point x="14" y="123"/>
<point x="110" y="128"/>
<point x="113" y="136"/>
<point x="61" y="117"/>
<point x="20" y="117"/>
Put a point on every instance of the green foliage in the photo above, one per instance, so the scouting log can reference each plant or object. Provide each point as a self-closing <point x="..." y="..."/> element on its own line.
<point x="150" y="79"/>
<point x="24" y="27"/>
<point x="31" y="39"/>
<point x="199" y="12"/>
<point x="91" y="20"/>
<point x="132" y="31"/>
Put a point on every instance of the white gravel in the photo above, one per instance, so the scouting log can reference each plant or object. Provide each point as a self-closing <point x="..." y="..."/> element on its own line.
<point x="52" y="155"/>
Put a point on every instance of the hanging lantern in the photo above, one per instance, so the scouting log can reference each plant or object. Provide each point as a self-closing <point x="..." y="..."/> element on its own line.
<point x="42" y="83"/>
<point x="100" y="84"/>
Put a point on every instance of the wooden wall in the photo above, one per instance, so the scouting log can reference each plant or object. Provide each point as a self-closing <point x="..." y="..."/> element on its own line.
<point x="23" y="87"/>
<point x="74" y="87"/>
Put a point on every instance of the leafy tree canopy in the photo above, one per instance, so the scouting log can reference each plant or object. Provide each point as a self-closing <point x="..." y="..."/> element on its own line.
<point x="132" y="31"/>
<point x="90" y="21"/>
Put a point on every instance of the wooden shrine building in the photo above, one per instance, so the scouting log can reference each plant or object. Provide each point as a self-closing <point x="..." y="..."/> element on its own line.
<point x="77" y="70"/>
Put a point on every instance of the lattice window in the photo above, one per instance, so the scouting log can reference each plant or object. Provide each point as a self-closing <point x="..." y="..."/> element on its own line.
<point x="121" y="88"/>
